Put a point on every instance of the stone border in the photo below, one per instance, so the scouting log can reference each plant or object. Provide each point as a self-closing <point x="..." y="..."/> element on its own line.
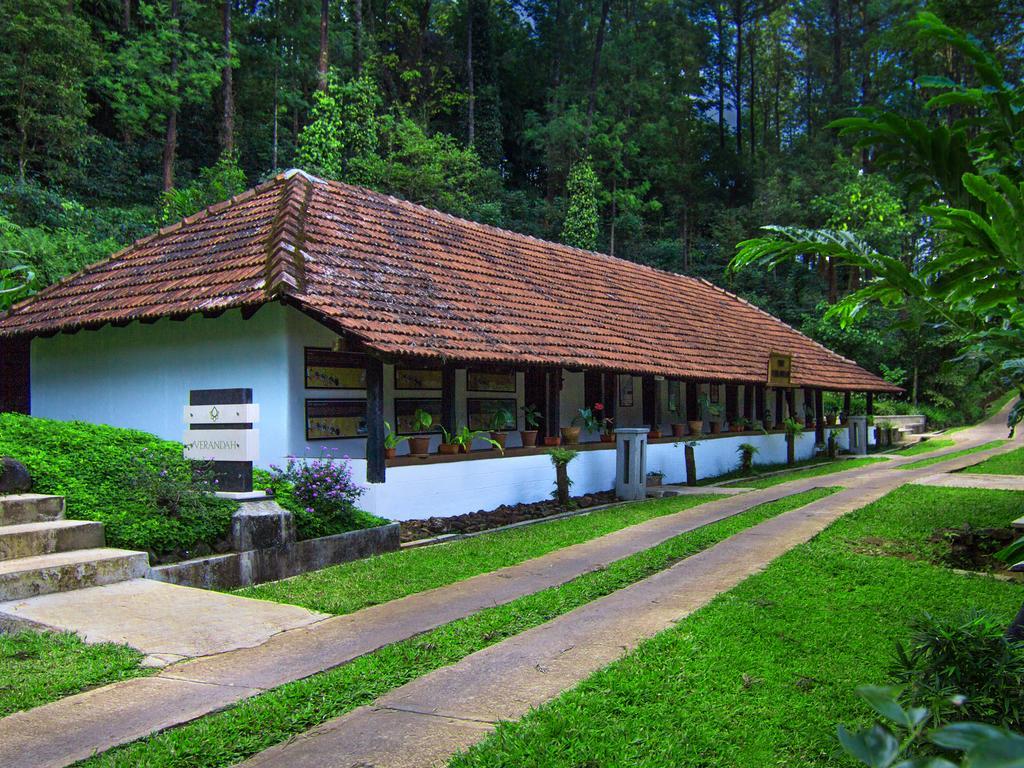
<point x="256" y="566"/>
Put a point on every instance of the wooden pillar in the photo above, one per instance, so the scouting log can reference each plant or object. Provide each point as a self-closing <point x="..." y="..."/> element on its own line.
<point x="692" y="409"/>
<point x="448" y="410"/>
<point x="375" y="464"/>
<point x="819" y="418"/>
<point x="610" y="395"/>
<point x="791" y="402"/>
<point x="869" y="409"/>
<point x="649" y="394"/>
<point x="748" y="403"/>
<point x="15" y="376"/>
<point x="759" y="405"/>
<point x="846" y="406"/>
<point x="553" y="403"/>
<point x="778" y="407"/>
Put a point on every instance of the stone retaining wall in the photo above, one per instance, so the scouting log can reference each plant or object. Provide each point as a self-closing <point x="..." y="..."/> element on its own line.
<point x="240" y="569"/>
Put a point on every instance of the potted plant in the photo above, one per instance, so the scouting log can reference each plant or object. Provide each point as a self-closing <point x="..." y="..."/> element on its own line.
<point x="653" y="434"/>
<point x="747" y="453"/>
<point x="678" y="423"/>
<point x="463" y="439"/>
<point x="740" y="424"/>
<point x="531" y="418"/>
<point x="588" y="418"/>
<point x="448" y="445"/>
<point x="608" y="430"/>
<point x="655" y="478"/>
<point x="419" y="445"/>
<point x="696" y="426"/>
<point x="833" y="442"/>
<point x="391" y="441"/>
<point x="713" y="413"/>
<point x="831" y="414"/>
<point x="501" y="420"/>
<point x="552" y="440"/>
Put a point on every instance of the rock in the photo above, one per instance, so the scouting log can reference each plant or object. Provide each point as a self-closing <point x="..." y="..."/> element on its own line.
<point x="14" y="476"/>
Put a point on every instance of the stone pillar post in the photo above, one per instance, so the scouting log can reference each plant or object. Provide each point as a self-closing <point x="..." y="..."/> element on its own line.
<point x="631" y="463"/>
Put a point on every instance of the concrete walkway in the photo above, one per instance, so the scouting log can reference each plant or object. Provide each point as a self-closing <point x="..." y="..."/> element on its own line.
<point x="73" y="728"/>
<point x="963" y="480"/>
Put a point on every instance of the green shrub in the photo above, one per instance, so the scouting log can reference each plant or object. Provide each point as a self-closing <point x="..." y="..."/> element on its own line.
<point x="967" y="660"/>
<point x="136" y="484"/>
<point x="310" y="525"/>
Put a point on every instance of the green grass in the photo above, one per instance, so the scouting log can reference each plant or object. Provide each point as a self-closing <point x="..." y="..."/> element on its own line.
<point x="954" y="455"/>
<point x="39" y="667"/>
<point x="762" y="675"/>
<point x="926" y="446"/>
<point x="1011" y="463"/>
<point x="739" y="474"/>
<point x="351" y="586"/>
<point x="227" y="737"/>
<point x="753" y="481"/>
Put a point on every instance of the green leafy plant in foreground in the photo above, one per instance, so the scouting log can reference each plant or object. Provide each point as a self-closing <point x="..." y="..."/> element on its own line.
<point x="906" y="742"/>
<point x="561" y="458"/>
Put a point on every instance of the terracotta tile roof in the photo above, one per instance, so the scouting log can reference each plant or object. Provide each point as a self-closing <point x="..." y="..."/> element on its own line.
<point x="407" y="280"/>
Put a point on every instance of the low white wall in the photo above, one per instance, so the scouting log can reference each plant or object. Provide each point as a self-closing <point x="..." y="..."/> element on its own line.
<point x="457" y="487"/>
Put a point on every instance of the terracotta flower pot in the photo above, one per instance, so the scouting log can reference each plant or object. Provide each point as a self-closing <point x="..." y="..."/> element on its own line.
<point x="552" y="441"/>
<point x="831" y="420"/>
<point x="499" y="438"/>
<point x="448" y="449"/>
<point x="654" y="480"/>
<point x="389" y="453"/>
<point x="654" y="434"/>
<point x="715" y="427"/>
<point x="696" y="426"/>
<point x="570" y="435"/>
<point x="529" y="438"/>
<point x="605" y="438"/>
<point x="678" y="430"/>
<point x="419" y="446"/>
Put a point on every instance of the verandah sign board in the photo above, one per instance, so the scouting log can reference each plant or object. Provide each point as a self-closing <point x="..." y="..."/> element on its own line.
<point x="780" y="370"/>
<point x="222" y="444"/>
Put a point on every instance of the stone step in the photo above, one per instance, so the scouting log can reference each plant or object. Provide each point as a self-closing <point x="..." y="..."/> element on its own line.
<point x="65" y="571"/>
<point x="31" y="539"/>
<point x="18" y="508"/>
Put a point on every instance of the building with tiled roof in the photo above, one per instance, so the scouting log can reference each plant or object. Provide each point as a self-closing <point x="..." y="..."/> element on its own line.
<point x="301" y="289"/>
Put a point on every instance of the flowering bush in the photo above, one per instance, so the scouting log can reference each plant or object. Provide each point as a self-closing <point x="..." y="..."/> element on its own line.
<point x="324" y="489"/>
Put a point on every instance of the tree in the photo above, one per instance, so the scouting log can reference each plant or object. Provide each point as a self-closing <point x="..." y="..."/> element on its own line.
<point x="969" y="173"/>
<point x="45" y="60"/>
<point x="581" y="218"/>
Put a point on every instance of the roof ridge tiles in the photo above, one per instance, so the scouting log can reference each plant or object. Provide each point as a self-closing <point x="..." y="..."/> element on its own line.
<point x="286" y="269"/>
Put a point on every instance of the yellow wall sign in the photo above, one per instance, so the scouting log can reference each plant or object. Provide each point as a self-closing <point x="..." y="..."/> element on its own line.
<point x="780" y="369"/>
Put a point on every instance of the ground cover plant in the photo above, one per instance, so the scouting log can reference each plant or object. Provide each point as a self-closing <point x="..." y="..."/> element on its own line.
<point x="762" y="675"/>
<point x="1011" y="463"/>
<point x="926" y="446"/>
<point x="136" y="484"/>
<point x="350" y="586"/>
<point x="39" y="667"/>
<point x="225" y="738"/>
<point x="953" y="455"/>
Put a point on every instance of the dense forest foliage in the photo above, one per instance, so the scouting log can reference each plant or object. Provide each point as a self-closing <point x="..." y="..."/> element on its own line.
<point x="662" y="131"/>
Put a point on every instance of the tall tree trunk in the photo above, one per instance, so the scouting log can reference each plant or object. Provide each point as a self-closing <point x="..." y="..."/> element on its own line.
<point x="611" y="228"/>
<point x="470" y="86"/>
<point x="357" y="37"/>
<point x="322" y="62"/>
<point x="835" y="90"/>
<point x="171" y="135"/>
<point x="126" y="15"/>
<point x="751" y="55"/>
<point x="595" y="66"/>
<point x="720" y="51"/>
<point x="227" y="133"/>
<point x="737" y="86"/>
<point x="277" y="66"/>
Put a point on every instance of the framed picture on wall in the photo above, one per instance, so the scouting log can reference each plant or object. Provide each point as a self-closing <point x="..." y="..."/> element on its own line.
<point x="417" y="378"/>
<point x="326" y="369"/>
<point x="335" y="419"/>
<point x="480" y="411"/>
<point x="405" y="410"/>
<point x="491" y="380"/>
<point x="625" y="391"/>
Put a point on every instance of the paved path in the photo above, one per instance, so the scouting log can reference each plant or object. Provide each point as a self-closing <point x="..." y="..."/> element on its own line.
<point x="964" y="480"/>
<point x="426" y="721"/>
<point x="70" y="729"/>
<point x="166" y="622"/>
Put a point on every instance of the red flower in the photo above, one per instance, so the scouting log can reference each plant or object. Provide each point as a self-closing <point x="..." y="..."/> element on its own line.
<point x="598" y="406"/>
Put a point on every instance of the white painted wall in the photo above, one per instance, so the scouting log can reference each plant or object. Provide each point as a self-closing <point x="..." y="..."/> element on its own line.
<point x="457" y="487"/>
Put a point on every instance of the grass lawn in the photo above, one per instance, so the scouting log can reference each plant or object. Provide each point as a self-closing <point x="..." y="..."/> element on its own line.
<point x="39" y="667"/>
<point x="826" y="468"/>
<point x="1011" y="463"/>
<point x="225" y="738"/>
<point x="351" y="586"/>
<point x="762" y="675"/>
<point x="926" y="446"/>
<point x="954" y="455"/>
